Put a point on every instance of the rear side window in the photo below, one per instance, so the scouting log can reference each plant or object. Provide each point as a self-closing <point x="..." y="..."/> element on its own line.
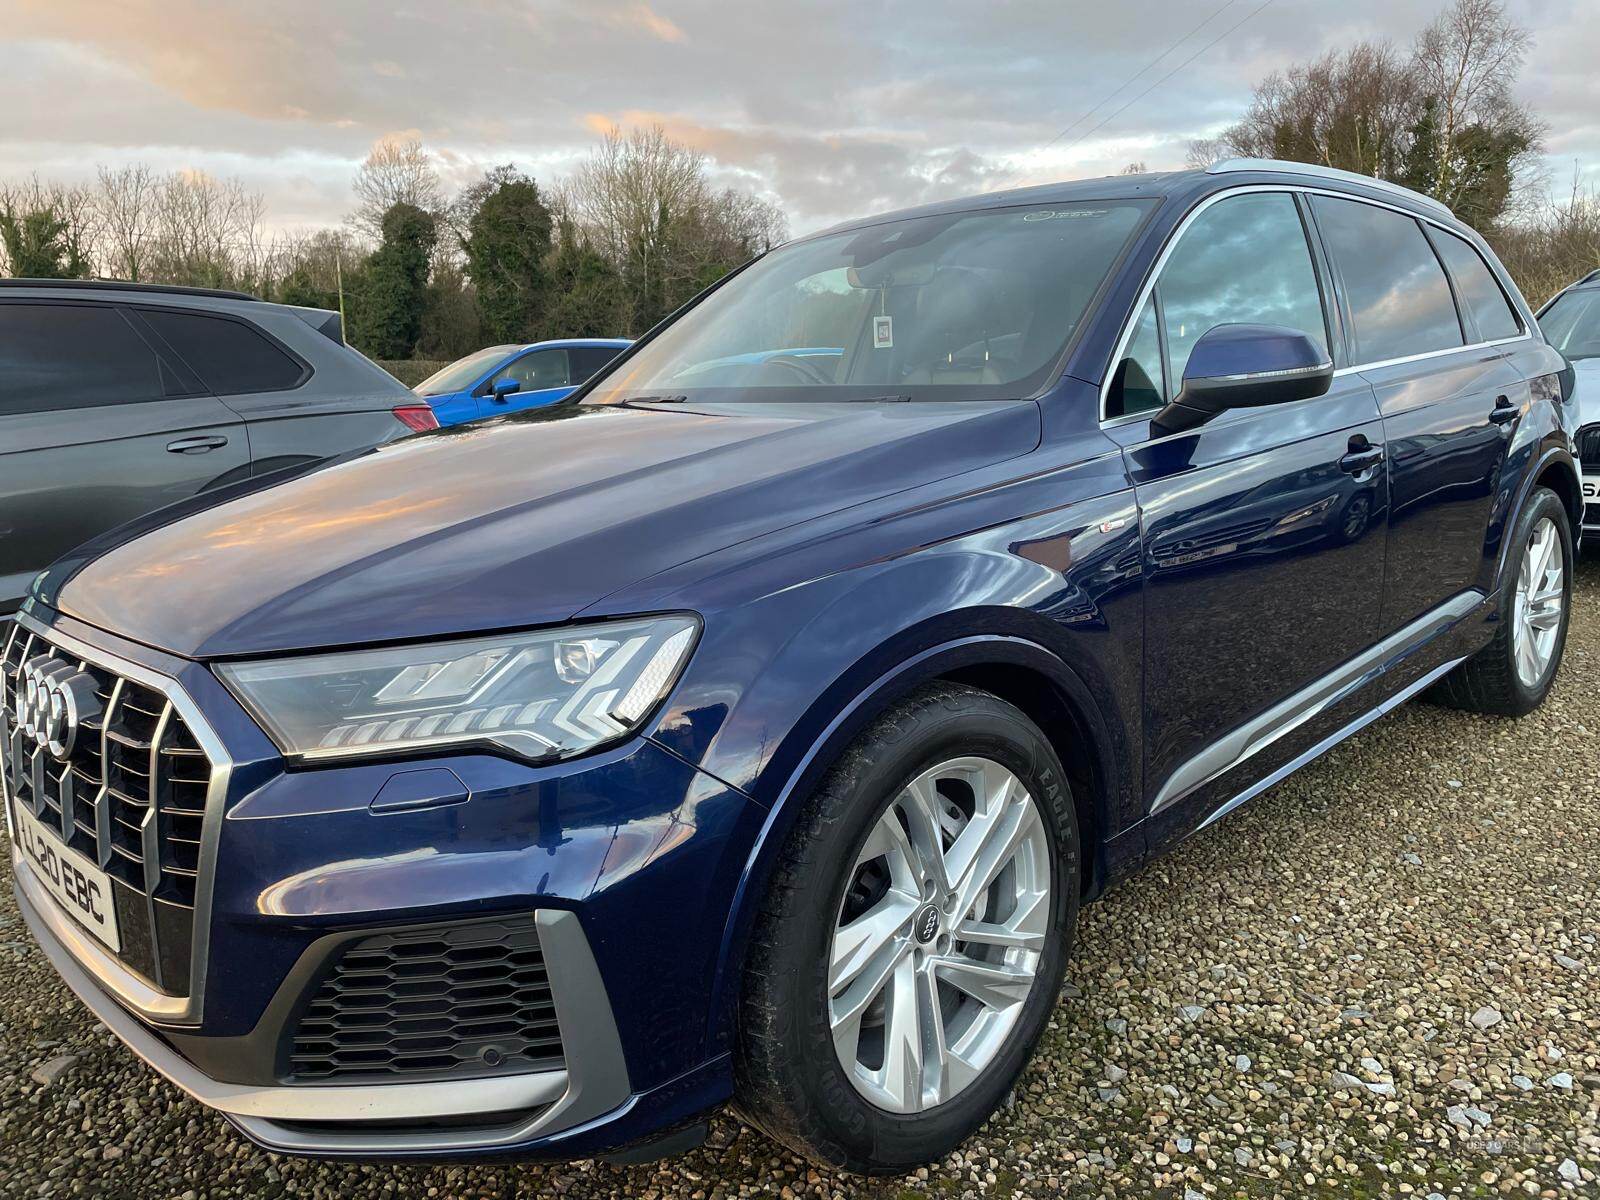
<point x="541" y="369"/>
<point x="1399" y="298"/>
<point x="65" y="356"/>
<point x="1244" y="260"/>
<point x="230" y="357"/>
<point x="586" y="360"/>
<point x="1480" y="295"/>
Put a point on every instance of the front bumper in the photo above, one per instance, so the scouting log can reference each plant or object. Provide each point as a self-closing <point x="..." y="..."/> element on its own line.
<point x="626" y="861"/>
<point x="386" y="1118"/>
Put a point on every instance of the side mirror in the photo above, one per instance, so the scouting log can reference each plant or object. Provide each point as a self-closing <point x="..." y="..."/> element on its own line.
<point x="1245" y="366"/>
<point x="505" y="387"/>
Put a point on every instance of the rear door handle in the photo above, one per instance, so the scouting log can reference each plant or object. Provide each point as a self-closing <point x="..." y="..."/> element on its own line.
<point x="197" y="445"/>
<point x="1504" y="411"/>
<point x="1363" y="456"/>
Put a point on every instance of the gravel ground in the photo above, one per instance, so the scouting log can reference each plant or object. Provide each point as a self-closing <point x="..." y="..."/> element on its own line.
<point x="1380" y="978"/>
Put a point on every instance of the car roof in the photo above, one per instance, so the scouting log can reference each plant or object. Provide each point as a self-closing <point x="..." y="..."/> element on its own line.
<point x="607" y="343"/>
<point x="1161" y="184"/>
<point x="124" y="285"/>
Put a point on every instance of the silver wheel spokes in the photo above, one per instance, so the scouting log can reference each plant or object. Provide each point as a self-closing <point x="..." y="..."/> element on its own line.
<point x="939" y="937"/>
<point x="1541" y="595"/>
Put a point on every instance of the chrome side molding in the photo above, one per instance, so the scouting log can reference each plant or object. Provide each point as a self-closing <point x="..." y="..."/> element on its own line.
<point x="1255" y="735"/>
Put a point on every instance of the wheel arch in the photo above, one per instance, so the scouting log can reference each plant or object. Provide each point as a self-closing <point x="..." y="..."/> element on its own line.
<point x="1552" y="468"/>
<point x="1021" y="671"/>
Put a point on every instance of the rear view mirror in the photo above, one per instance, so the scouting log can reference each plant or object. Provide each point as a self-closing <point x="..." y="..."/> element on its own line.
<point x="1245" y="366"/>
<point x="506" y="387"/>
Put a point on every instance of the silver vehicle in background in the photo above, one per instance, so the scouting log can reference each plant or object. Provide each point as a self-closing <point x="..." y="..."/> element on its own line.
<point x="120" y="398"/>
<point x="1571" y="323"/>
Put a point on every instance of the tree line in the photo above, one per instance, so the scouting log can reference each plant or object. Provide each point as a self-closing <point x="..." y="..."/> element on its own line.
<point x="638" y="228"/>
<point x="634" y="232"/>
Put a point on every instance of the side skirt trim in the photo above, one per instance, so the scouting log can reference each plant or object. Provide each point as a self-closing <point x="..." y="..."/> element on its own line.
<point x="1332" y="740"/>
<point x="1283" y="718"/>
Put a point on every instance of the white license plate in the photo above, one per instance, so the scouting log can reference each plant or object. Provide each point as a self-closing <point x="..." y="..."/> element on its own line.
<point x="79" y="886"/>
<point x="1591" y="489"/>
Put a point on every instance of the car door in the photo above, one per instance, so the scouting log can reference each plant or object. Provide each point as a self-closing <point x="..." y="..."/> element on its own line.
<point x="1448" y="406"/>
<point x="1263" y="530"/>
<point x="259" y="377"/>
<point x="542" y="377"/>
<point x="96" y="428"/>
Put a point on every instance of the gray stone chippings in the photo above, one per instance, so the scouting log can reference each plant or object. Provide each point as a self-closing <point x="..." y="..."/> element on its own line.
<point x="1357" y="986"/>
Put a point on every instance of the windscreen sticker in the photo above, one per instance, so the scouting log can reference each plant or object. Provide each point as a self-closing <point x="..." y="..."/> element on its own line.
<point x="882" y="333"/>
<point x="1064" y="214"/>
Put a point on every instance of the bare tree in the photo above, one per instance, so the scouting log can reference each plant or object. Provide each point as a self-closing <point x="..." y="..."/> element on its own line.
<point x="1350" y="109"/>
<point x="207" y="231"/>
<point x="397" y="170"/>
<point x="644" y="201"/>
<point x="1466" y="61"/>
<point x="1441" y="118"/>
<point x="125" y="200"/>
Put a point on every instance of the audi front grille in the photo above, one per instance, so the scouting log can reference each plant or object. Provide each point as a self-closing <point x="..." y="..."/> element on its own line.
<point x="130" y="796"/>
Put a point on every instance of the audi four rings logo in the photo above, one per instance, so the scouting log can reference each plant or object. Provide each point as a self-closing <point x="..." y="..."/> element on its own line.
<point x="54" y="699"/>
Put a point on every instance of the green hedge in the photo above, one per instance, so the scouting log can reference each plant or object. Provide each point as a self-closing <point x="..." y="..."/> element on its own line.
<point x="410" y="371"/>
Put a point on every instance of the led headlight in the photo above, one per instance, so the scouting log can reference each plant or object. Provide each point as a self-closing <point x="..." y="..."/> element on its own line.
<point x="542" y="695"/>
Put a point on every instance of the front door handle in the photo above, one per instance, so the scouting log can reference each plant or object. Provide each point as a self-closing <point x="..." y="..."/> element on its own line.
<point x="1363" y="456"/>
<point x="197" y="445"/>
<point x="1504" y="411"/>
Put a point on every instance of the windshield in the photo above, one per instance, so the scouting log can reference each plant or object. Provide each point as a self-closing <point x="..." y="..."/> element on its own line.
<point x="462" y="372"/>
<point x="1572" y="324"/>
<point x="958" y="306"/>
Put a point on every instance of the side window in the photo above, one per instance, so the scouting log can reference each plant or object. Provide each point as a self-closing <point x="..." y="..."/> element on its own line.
<point x="1480" y="293"/>
<point x="1400" y="302"/>
<point x="586" y="360"/>
<point x="1136" y="385"/>
<point x="541" y="369"/>
<point x="65" y="356"/>
<point x="230" y="357"/>
<point x="1244" y="260"/>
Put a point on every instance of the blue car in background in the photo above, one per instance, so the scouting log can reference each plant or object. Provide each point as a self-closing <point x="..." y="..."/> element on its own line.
<point x="502" y="379"/>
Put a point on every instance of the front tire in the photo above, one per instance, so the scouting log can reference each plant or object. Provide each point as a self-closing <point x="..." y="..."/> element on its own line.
<point x="1513" y="674"/>
<point x="914" y="938"/>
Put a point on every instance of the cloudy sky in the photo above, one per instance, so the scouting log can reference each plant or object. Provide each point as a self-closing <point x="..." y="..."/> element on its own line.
<point x="832" y="109"/>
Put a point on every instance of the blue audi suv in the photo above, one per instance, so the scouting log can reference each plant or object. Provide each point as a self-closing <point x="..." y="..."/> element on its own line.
<point x="750" y="726"/>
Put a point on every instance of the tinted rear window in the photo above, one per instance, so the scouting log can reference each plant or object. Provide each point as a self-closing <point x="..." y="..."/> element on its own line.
<point x="230" y="357"/>
<point x="60" y="356"/>
<point x="1475" y="284"/>
<point x="586" y="360"/>
<point x="1399" y="298"/>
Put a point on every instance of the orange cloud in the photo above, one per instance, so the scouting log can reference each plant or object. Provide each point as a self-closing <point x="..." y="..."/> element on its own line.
<point x="642" y="16"/>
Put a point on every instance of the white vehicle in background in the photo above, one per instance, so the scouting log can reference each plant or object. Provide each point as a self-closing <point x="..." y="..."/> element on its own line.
<point x="1571" y="323"/>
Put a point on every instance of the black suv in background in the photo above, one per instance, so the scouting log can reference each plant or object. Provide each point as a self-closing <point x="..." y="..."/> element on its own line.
<point x="119" y="398"/>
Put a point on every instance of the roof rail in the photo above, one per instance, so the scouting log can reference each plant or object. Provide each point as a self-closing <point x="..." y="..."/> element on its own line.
<point x="123" y="285"/>
<point x="1283" y="166"/>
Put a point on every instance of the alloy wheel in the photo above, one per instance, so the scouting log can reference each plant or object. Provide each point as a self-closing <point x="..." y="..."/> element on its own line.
<point x="939" y="936"/>
<point x="1539" y="602"/>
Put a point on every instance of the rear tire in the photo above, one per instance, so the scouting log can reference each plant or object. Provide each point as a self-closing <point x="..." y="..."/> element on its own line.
<point x="1513" y="674"/>
<point x="802" y="979"/>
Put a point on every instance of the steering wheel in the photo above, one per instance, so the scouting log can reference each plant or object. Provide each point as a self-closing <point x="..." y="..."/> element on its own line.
<point x="799" y="366"/>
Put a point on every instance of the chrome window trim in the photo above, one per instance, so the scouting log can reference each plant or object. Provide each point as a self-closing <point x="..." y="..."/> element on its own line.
<point x="1230" y="166"/>
<point x="1153" y="276"/>
<point x="112" y="975"/>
